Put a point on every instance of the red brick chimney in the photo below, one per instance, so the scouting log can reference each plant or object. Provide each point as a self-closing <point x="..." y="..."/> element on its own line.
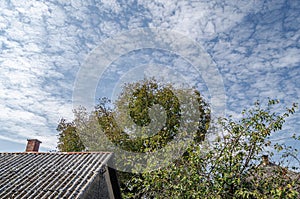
<point x="33" y="145"/>
<point x="265" y="160"/>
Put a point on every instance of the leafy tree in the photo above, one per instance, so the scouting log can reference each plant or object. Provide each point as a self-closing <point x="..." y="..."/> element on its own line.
<point x="69" y="140"/>
<point x="222" y="164"/>
<point x="146" y="102"/>
<point x="228" y="166"/>
<point x="133" y="110"/>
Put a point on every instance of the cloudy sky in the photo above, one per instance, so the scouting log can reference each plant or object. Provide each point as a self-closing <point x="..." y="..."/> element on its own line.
<point x="47" y="47"/>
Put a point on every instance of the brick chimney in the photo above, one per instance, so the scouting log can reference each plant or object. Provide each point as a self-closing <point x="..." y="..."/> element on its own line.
<point x="265" y="160"/>
<point x="33" y="145"/>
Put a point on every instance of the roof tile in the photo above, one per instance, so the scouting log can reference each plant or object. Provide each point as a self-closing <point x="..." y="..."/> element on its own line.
<point x="49" y="175"/>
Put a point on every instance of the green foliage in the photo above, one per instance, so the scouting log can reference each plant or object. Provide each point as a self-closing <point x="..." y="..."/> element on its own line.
<point x="228" y="166"/>
<point x="133" y="110"/>
<point x="69" y="140"/>
<point x="136" y="109"/>
<point x="223" y="164"/>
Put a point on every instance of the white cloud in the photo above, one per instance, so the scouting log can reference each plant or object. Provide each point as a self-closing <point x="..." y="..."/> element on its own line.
<point x="255" y="45"/>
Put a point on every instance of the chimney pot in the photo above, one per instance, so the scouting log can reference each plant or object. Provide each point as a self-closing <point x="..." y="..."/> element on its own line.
<point x="33" y="145"/>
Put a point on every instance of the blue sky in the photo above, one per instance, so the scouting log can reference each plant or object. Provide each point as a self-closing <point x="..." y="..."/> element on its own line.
<point x="255" y="46"/>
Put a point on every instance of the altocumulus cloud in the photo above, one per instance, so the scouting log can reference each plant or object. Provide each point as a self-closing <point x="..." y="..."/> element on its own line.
<point x="255" y="46"/>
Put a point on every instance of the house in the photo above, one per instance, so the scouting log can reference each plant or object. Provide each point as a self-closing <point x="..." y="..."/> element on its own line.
<point x="268" y="173"/>
<point x="34" y="174"/>
<point x="271" y="168"/>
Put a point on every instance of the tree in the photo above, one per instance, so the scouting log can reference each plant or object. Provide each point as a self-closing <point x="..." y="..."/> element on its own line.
<point x="221" y="163"/>
<point x="146" y="102"/>
<point x="228" y="166"/>
<point x="134" y="108"/>
<point x="69" y="140"/>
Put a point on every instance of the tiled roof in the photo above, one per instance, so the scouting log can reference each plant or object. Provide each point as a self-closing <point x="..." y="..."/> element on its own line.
<point x="49" y="175"/>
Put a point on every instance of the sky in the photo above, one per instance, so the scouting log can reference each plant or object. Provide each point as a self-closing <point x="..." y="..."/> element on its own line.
<point x="50" y="51"/>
